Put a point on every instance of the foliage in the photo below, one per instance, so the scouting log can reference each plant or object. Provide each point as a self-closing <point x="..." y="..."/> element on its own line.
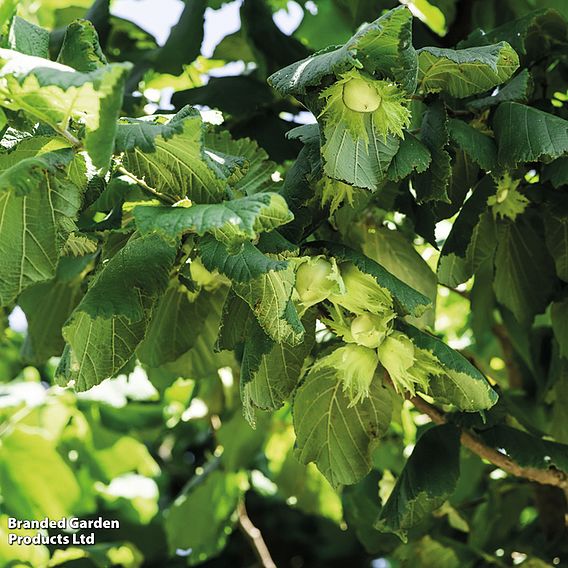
<point x="228" y="307"/>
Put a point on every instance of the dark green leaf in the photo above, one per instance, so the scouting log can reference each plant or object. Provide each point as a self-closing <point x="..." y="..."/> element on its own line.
<point x="478" y="146"/>
<point x="412" y="156"/>
<point x="208" y="537"/>
<point x="524" y="271"/>
<point x="81" y="49"/>
<point x="428" y="479"/>
<point x="28" y="38"/>
<point x="432" y="184"/>
<point x="526" y="134"/>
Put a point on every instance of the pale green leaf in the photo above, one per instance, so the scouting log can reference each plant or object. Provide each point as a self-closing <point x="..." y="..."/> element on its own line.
<point x="33" y="226"/>
<point x="358" y="162"/>
<point x="269" y="296"/>
<point x="54" y="94"/>
<point x="383" y="47"/>
<point x="461" y="384"/>
<point x="230" y="222"/>
<point x="465" y="72"/>
<point x="334" y="434"/>
<point x="36" y="481"/>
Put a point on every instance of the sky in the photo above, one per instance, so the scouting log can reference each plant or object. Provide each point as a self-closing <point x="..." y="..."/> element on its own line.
<point x="158" y="17"/>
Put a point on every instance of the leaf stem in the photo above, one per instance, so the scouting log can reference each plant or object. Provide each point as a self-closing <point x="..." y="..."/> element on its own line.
<point x="69" y="136"/>
<point x="254" y="536"/>
<point x="150" y="190"/>
<point x="551" y="476"/>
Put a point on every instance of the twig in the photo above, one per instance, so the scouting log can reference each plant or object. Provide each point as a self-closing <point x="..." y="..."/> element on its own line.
<point x="254" y="537"/>
<point x="462" y="293"/>
<point x="150" y="190"/>
<point x="70" y="137"/>
<point x="554" y="477"/>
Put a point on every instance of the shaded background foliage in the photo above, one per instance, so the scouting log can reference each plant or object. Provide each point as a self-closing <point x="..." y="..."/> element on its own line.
<point x="130" y="447"/>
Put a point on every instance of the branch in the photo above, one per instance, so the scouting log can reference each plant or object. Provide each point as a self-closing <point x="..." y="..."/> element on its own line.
<point x="254" y="537"/>
<point x="150" y="190"/>
<point x="554" y="477"/>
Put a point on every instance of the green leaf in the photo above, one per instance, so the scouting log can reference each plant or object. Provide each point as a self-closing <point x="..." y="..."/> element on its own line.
<point x="358" y="162"/>
<point x="427" y="480"/>
<point x="28" y="38"/>
<point x="279" y="371"/>
<point x="208" y="537"/>
<point x="242" y="445"/>
<point x="362" y="506"/>
<point x="432" y="184"/>
<point x="431" y="553"/>
<point x="412" y="156"/>
<point x="37" y="209"/>
<point x="527" y="134"/>
<point x="559" y="316"/>
<point x="269" y="297"/>
<point x="525" y="449"/>
<point x="524" y="271"/>
<point x="81" y="49"/>
<point x="7" y="10"/>
<point x="471" y="240"/>
<point x="516" y="90"/>
<point x="109" y="323"/>
<point x="462" y="384"/>
<point x="171" y="157"/>
<point x="478" y="146"/>
<point x="230" y="222"/>
<point x="395" y="253"/>
<point x="312" y="492"/>
<point x="383" y="47"/>
<point x="465" y="72"/>
<point x="201" y="361"/>
<point x="142" y="133"/>
<point x="47" y="306"/>
<point x="407" y="299"/>
<point x="184" y="42"/>
<point x="37" y="482"/>
<point x="246" y="264"/>
<point x="177" y="320"/>
<point x="535" y="35"/>
<point x="556" y="172"/>
<point x="556" y="234"/>
<point x="234" y="322"/>
<point x="139" y="269"/>
<point x="97" y="349"/>
<point x="54" y="94"/>
<point x="259" y="167"/>
<point x="334" y="434"/>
